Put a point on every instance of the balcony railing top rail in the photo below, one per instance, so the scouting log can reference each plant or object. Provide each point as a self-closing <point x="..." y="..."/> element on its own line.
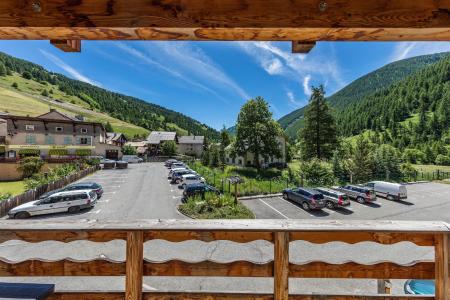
<point x="278" y="232"/>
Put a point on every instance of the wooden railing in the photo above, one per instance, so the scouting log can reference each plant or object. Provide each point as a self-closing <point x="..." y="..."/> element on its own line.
<point x="280" y="233"/>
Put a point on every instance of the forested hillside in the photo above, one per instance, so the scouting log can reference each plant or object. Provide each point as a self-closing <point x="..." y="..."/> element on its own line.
<point x="357" y="90"/>
<point x="129" y="109"/>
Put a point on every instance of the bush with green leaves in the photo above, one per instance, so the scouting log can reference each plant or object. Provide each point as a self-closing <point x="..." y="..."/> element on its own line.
<point x="53" y="174"/>
<point x="408" y="171"/>
<point x="83" y="152"/>
<point x="29" y="152"/>
<point x="443" y="160"/>
<point x="30" y="166"/>
<point x="169" y="148"/>
<point x="58" y="152"/>
<point x="5" y="196"/>
<point x="128" y="150"/>
<point x="413" y="156"/>
<point x="317" y="172"/>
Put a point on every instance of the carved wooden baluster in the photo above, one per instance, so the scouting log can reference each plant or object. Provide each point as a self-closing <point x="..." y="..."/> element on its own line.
<point x="135" y="265"/>
<point x="281" y="266"/>
<point x="441" y="261"/>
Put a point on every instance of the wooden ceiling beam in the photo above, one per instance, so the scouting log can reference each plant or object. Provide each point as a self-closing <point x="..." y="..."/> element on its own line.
<point x="302" y="47"/>
<point x="255" y="20"/>
<point x="67" y="45"/>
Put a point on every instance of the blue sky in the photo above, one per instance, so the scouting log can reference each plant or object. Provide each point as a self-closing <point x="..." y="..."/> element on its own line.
<point x="209" y="81"/>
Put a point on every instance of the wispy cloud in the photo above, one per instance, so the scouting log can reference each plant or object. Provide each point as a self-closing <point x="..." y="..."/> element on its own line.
<point x="404" y="50"/>
<point x="293" y="102"/>
<point x="70" y="70"/>
<point x="306" y="88"/>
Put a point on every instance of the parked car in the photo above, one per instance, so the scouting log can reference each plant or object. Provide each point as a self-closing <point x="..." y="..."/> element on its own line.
<point x="333" y="199"/>
<point x="198" y="189"/>
<point x="171" y="171"/>
<point x="179" y="173"/>
<point x="168" y="162"/>
<point x="69" y="201"/>
<point x="132" y="159"/>
<point x="177" y="165"/>
<point x="97" y="188"/>
<point x="106" y="160"/>
<point x="359" y="193"/>
<point x="186" y="179"/>
<point x="389" y="190"/>
<point x="307" y="198"/>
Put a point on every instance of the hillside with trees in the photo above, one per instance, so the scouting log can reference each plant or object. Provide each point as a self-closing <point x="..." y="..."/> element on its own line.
<point x="371" y="83"/>
<point x="126" y="108"/>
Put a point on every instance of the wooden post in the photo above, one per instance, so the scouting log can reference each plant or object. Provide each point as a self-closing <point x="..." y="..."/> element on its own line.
<point x="236" y="193"/>
<point x="134" y="265"/>
<point x="281" y="266"/>
<point x="384" y="286"/>
<point x="441" y="262"/>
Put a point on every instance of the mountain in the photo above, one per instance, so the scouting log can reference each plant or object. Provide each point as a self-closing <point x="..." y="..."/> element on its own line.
<point x="48" y="89"/>
<point x="368" y="84"/>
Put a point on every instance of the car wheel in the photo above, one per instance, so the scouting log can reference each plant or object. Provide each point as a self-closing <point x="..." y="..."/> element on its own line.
<point x="330" y="205"/>
<point x="390" y="197"/>
<point x="22" y="215"/>
<point x="285" y="196"/>
<point x="73" y="209"/>
<point x="360" y="200"/>
<point x="177" y="181"/>
<point x="305" y="206"/>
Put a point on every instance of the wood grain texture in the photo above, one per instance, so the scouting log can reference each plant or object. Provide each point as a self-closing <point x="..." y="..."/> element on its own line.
<point x="299" y="20"/>
<point x="281" y="266"/>
<point x="62" y="268"/>
<point x="422" y="270"/>
<point x="208" y="236"/>
<point x="134" y="265"/>
<point x="67" y="45"/>
<point x="420" y="239"/>
<point x="441" y="253"/>
<point x="207" y="268"/>
<point x="302" y="47"/>
<point x="62" y="236"/>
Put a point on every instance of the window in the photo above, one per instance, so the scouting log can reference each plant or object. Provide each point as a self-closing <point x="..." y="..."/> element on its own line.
<point x="29" y="127"/>
<point x="50" y="140"/>
<point x="67" y="140"/>
<point x="30" y="139"/>
<point x="84" y="141"/>
<point x="84" y="130"/>
<point x="59" y="129"/>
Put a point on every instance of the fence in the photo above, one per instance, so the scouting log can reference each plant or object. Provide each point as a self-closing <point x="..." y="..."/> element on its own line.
<point x="280" y="233"/>
<point x="33" y="194"/>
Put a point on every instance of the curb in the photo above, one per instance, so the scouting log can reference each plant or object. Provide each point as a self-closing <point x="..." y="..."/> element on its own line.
<point x="259" y="196"/>
<point x="180" y="212"/>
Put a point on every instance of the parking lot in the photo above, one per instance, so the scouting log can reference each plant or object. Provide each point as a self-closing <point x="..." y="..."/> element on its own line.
<point x="426" y="201"/>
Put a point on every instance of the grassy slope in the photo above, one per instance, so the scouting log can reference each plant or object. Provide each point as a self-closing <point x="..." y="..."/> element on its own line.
<point x="28" y="101"/>
<point x="13" y="187"/>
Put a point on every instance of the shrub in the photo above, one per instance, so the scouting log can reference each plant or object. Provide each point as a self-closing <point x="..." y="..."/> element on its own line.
<point x="408" y="170"/>
<point x="54" y="174"/>
<point x="317" y="173"/>
<point x="413" y="156"/>
<point x="29" y="152"/>
<point x="169" y="148"/>
<point x="5" y="196"/>
<point x="30" y="165"/>
<point x="443" y="160"/>
<point x="27" y="75"/>
<point x="83" y="152"/>
<point x="128" y="150"/>
<point x="15" y="85"/>
<point x="58" y="152"/>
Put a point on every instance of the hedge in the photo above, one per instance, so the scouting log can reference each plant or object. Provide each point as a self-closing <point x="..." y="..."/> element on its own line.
<point x="29" y="152"/>
<point x="83" y="152"/>
<point x="58" y="152"/>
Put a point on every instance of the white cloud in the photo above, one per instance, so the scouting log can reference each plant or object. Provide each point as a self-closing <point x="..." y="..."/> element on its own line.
<point x="70" y="70"/>
<point x="404" y="50"/>
<point x="306" y="88"/>
<point x="293" y="102"/>
<point x="273" y="66"/>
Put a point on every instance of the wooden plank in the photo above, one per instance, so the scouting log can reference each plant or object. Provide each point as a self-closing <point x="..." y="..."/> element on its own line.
<point x="442" y="265"/>
<point x="62" y="236"/>
<point x="301" y="20"/>
<point x="208" y="236"/>
<point x="134" y="265"/>
<point x="420" y="239"/>
<point x="62" y="268"/>
<point x="281" y="266"/>
<point x="422" y="270"/>
<point x="228" y="225"/>
<point x="302" y="47"/>
<point x="84" y="295"/>
<point x="67" y="45"/>
<point x="208" y="268"/>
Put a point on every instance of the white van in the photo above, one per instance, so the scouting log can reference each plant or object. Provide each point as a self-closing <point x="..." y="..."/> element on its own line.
<point x="389" y="190"/>
<point x="189" y="179"/>
<point x="132" y="159"/>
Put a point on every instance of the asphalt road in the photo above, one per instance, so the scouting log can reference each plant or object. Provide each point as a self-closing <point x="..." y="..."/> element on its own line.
<point x="143" y="191"/>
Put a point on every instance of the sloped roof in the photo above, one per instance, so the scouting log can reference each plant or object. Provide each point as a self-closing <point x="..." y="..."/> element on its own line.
<point x="191" y="139"/>
<point x="57" y="115"/>
<point x="156" y="137"/>
<point x="136" y="144"/>
<point x="113" y="136"/>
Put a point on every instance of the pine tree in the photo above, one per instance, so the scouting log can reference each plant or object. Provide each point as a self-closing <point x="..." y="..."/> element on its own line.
<point x="319" y="135"/>
<point x="362" y="161"/>
<point x="108" y="127"/>
<point x="3" y="71"/>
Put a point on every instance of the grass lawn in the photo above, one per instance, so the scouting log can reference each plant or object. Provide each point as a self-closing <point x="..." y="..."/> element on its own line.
<point x="13" y="187"/>
<point x="431" y="168"/>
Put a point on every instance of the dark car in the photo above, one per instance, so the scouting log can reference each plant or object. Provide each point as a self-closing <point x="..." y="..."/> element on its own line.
<point x="307" y="198"/>
<point x="78" y="186"/>
<point x="198" y="189"/>
<point x="169" y="162"/>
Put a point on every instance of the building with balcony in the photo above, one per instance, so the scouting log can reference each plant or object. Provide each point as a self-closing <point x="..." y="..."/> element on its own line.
<point x="191" y="145"/>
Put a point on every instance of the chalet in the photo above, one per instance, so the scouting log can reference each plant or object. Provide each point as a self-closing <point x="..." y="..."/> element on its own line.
<point x="156" y="138"/>
<point x="117" y="139"/>
<point x="191" y="145"/>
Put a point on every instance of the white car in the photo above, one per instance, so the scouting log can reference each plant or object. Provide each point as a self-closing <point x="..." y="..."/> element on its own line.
<point x="189" y="179"/>
<point x="389" y="190"/>
<point x="132" y="159"/>
<point x="71" y="201"/>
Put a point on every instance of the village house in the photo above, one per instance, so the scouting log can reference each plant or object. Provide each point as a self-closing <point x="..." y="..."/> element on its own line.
<point x="156" y="138"/>
<point x="117" y="139"/>
<point x="248" y="158"/>
<point x="53" y="134"/>
<point x="191" y="145"/>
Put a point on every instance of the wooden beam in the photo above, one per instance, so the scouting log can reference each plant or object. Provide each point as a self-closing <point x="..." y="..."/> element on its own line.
<point x="286" y="20"/>
<point x="281" y="266"/>
<point x="67" y="45"/>
<point x="302" y="47"/>
<point x="441" y="262"/>
<point x="134" y="265"/>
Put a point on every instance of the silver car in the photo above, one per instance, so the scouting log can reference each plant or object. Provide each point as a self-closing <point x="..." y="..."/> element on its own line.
<point x="333" y="199"/>
<point x="71" y="201"/>
<point x="359" y="193"/>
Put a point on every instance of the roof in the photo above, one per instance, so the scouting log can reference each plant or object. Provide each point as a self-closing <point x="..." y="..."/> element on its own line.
<point x="191" y="139"/>
<point x="37" y="119"/>
<point x="57" y="115"/>
<point x="136" y="144"/>
<point x="156" y="137"/>
<point x="113" y="136"/>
